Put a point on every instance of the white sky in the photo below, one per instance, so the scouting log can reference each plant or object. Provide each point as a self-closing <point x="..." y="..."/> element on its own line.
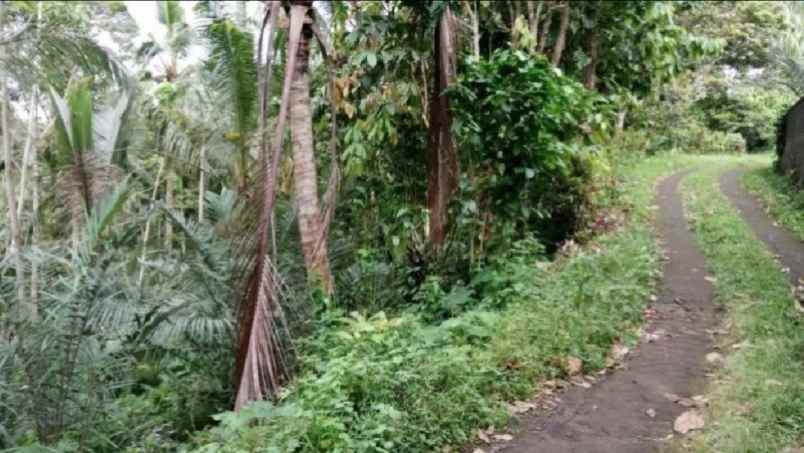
<point x="145" y="14"/>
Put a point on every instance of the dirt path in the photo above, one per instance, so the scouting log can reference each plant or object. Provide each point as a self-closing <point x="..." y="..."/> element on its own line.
<point x="612" y="416"/>
<point x="781" y="243"/>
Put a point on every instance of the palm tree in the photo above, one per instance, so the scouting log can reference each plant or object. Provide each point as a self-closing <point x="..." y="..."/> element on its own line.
<point x="85" y="143"/>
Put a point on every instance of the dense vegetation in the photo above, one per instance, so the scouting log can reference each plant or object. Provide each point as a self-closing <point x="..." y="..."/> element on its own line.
<point x="347" y="226"/>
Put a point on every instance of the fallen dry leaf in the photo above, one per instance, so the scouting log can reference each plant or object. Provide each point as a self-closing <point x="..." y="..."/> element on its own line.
<point x="503" y="437"/>
<point x="714" y="358"/>
<point x="478" y="450"/>
<point x="482" y="436"/>
<point x="574" y="366"/>
<point x="710" y="279"/>
<point x="651" y="413"/>
<point x="689" y="421"/>
<point x="520" y="407"/>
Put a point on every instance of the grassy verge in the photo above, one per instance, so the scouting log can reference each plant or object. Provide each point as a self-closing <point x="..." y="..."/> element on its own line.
<point x="757" y="401"/>
<point x="784" y="202"/>
<point x="375" y="384"/>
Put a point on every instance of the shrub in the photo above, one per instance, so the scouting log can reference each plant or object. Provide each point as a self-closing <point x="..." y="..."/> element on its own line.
<point x="518" y="121"/>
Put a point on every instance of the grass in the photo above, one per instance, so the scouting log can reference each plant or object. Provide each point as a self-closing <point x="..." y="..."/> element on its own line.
<point x="757" y="400"/>
<point x="401" y="384"/>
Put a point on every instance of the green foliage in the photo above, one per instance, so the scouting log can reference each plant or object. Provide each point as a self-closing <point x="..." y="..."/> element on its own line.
<point x="516" y="122"/>
<point x="747" y="29"/>
<point x="748" y="111"/>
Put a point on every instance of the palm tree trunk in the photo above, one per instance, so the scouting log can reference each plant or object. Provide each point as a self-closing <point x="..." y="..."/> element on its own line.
<point x="147" y="233"/>
<point x="533" y="17"/>
<point x="30" y="140"/>
<point x="170" y="205"/>
<point x="443" y="170"/>
<point x="202" y="184"/>
<point x="35" y="233"/>
<point x="13" y="221"/>
<point x="548" y="22"/>
<point x="561" y="42"/>
<point x="311" y="232"/>
<point x="35" y="195"/>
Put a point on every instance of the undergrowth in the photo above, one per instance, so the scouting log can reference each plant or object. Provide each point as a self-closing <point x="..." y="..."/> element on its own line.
<point x="758" y="398"/>
<point x="380" y="383"/>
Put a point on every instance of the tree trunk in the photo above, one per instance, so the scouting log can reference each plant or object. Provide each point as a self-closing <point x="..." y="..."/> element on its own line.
<point x="533" y="17"/>
<point x="35" y="231"/>
<point x="443" y="162"/>
<point x="13" y="221"/>
<point x="35" y="196"/>
<point x="147" y="233"/>
<point x="311" y="233"/>
<point x="475" y="18"/>
<point x="562" y="35"/>
<point x="548" y="22"/>
<point x="30" y="141"/>
<point x="170" y="204"/>
<point x="202" y="183"/>
<point x="590" y="70"/>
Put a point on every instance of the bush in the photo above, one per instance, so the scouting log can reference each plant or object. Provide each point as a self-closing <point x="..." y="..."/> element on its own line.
<point x="518" y="122"/>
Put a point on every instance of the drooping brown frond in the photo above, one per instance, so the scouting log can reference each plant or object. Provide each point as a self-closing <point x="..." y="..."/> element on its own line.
<point x="260" y="366"/>
<point x="443" y="161"/>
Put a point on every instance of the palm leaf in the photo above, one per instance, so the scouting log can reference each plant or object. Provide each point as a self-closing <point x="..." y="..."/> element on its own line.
<point x="235" y="73"/>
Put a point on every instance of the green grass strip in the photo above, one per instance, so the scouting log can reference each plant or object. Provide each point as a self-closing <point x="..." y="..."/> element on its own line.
<point x="758" y="397"/>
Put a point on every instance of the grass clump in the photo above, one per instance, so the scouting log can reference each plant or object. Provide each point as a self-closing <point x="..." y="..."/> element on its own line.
<point x="758" y="400"/>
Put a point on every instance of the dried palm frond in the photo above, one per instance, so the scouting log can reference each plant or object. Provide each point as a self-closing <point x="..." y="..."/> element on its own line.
<point x="261" y="366"/>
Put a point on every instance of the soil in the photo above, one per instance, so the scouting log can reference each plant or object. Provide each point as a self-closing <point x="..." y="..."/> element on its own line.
<point x="628" y="410"/>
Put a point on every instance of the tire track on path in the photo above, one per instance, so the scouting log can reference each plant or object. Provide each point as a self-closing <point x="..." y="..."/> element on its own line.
<point x="783" y="244"/>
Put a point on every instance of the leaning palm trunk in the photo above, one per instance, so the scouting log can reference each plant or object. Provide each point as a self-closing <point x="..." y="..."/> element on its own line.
<point x="304" y="169"/>
<point x="443" y="161"/>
